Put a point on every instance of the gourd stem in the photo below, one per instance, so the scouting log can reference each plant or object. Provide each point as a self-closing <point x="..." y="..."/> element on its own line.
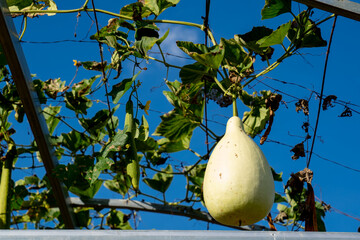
<point x="235" y="111"/>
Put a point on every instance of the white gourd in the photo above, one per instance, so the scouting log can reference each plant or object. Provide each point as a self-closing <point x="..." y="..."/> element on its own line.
<point x="238" y="183"/>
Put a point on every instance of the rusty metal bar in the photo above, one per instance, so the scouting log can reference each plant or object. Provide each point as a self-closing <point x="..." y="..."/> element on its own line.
<point x="21" y="75"/>
<point x="345" y="8"/>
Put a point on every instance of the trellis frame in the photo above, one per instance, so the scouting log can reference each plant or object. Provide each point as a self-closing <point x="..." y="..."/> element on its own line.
<point x="345" y="8"/>
<point x="22" y="78"/>
<point x="21" y="75"/>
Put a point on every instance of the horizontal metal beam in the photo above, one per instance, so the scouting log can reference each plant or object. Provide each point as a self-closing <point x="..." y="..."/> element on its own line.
<point x="178" y="210"/>
<point x="345" y="8"/>
<point x="173" y="235"/>
<point x="22" y="78"/>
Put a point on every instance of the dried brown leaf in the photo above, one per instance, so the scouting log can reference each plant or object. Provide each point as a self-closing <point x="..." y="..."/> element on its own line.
<point x="328" y="102"/>
<point x="310" y="211"/>
<point x="302" y="105"/>
<point x="298" y="150"/>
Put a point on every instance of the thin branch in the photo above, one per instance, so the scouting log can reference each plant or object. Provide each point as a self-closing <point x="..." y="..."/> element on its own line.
<point x="321" y="93"/>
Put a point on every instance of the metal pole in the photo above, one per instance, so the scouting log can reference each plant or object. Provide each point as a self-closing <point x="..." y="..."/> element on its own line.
<point x="21" y="75"/>
<point x="345" y="8"/>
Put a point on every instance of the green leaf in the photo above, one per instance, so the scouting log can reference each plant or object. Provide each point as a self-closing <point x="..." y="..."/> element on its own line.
<point x="209" y="57"/>
<point x="279" y="198"/>
<point x="255" y="120"/>
<point x="307" y="34"/>
<point x="20" y="192"/>
<point x="121" y="88"/>
<point x="168" y="146"/>
<point x="175" y="126"/>
<point x="75" y="141"/>
<point x="149" y="145"/>
<point x="83" y="218"/>
<point x="120" y="184"/>
<point x="250" y="39"/>
<point x="118" y="220"/>
<point x="136" y="11"/>
<point x="101" y="165"/>
<point x="158" y="6"/>
<point x="116" y="143"/>
<point x="18" y="4"/>
<point x="277" y="176"/>
<point x="145" y="44"/>
<point x="196" y="174"/>
<point x="143" y="130"/>
<point x="95" y="126"/>
<point x="161" y="180"/>
<point x="50" y="117"/>
<point x="88" y="192"/>
<point x="236" y="58"/>
<point x="275" y="8"/>
<point x="39" y="88"/>
<point x="193" y="73"/>
<point x="276" y="37"/>
<point x="320" y="214"/>
<point x="110" y="33"/>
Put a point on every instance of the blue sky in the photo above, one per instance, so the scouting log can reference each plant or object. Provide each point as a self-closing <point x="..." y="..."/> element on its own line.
<point x="337" y="138"/>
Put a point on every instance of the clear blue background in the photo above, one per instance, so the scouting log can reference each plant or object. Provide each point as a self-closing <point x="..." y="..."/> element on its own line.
<point x="337" y="138"/>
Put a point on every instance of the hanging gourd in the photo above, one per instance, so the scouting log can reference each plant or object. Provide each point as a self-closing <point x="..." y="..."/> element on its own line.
<point x="238" y="183"/>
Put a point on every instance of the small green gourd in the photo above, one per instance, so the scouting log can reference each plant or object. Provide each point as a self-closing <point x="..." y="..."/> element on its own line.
<point x="238" y="183"/>
<point x="133" y="167"/>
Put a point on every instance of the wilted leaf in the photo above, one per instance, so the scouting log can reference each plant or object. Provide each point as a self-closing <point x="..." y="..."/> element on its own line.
<point x="272" y="103"/>
<point x="101" y="165"/>
<point x="93" y="65"/>
<point x="76" y="99"/>
<point x="117" y="142"/>
<point x="54" y="86"/>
